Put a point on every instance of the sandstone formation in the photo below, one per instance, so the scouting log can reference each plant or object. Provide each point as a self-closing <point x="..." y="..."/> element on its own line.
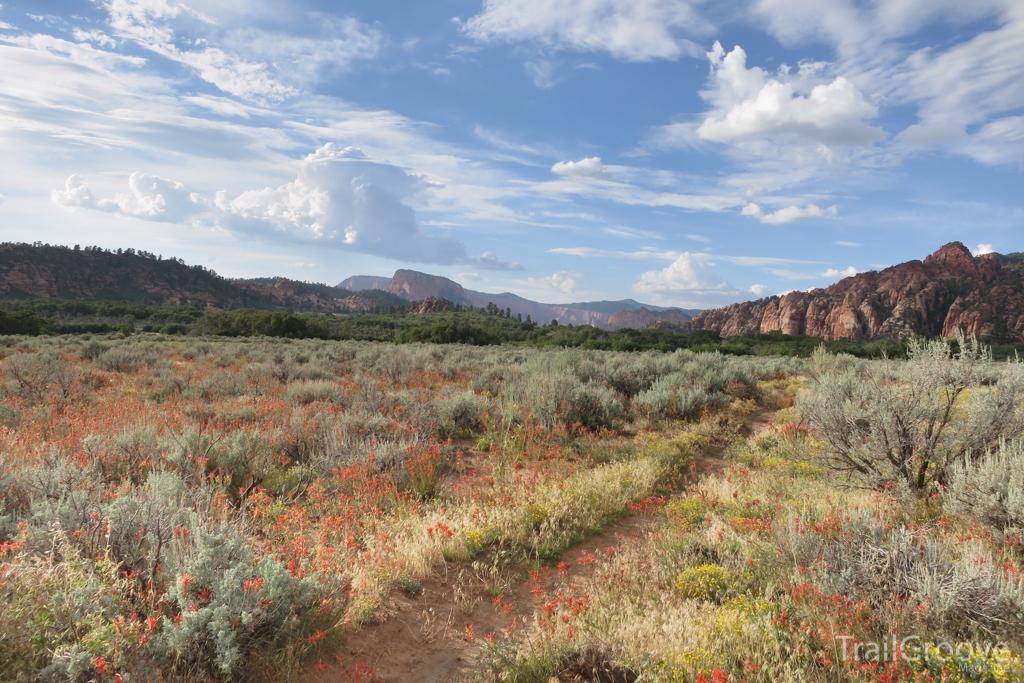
<point x="433" y="305"/>
<point x="949" y="290"/>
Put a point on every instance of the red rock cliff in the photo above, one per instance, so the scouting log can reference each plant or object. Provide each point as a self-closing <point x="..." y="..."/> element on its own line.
<point x="949" y="290"/>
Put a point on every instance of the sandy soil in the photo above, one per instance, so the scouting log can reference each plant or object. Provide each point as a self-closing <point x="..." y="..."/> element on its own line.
<point x="439" y="635"/>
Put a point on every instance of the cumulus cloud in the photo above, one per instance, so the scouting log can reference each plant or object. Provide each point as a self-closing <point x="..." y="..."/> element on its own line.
<point x="750" y="104"/>
<point x="563" y="281"/>
<point x="149" y="197"/>
<point x="154" y="198"/>
<point x="75" y="193"/>
<point x="983" y="249"/>
<point x="344" y="199"/>
<point x="759" y="290"/>
<point x="849" y="271"/>
<point x="689" y="273"/>
<point x="788" y="214"/>
<point x="631" y="30"/>
<point x="591" y="167"/>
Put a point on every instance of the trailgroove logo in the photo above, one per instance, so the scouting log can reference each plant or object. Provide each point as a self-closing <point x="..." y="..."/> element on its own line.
<point x="913" y="649"/>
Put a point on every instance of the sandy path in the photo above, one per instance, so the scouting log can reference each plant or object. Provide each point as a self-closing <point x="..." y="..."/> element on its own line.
<point x="439" y="635"/>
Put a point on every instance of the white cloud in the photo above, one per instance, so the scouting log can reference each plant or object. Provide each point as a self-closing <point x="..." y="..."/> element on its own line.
<point x="698" y="238"/>
<point x="339" y="44"/>
<point x="591" y="167"/>
<point x="632" y="233"/>
<point x="491" y="262"/>
<point x="848" y="244"/>
<point x="751" y="105"/>
<point x="849" y="271"/>
<point x="149" y="197"/>
<point x="97" y="37"/>
<point x="632" y="30"/>
<point x="344" y="199"/>
<point x="149" y="24"/>
<point x="830" y="273"/>
<point x="788" y="214"/>
<point x="965" y="89"/>
<point x="629" y="194"/>
<point x="257" y="65"/>
<point x="562" y="281"/>
<point x="759" y="290"/>
<point x="650" y="253"/>
<point x="541" y="72"/>
<point x="983" y="249"/>
<point x="689" y="273"/>
<point x="75" y="193"/>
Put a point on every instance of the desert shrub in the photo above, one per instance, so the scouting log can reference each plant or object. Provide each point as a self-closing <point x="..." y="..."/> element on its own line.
<point x="231" y="605"/>
<point x="91" y="350"/>
<point x="630" y="374"/>
<point x="304" y="392"/>
<point x="10" y="417"/>
<point x="127" y="456"/>
<point x="699" y="382"/>
<point x="459" y="415"/>
<point x="871" y="559"/>
<point x="910" y="421"/>
<point x="194" y="350"/>
<point x="215" y="386"/>
<point x="397" y="364"/>
<point x="705" y="582"/>
<point x="36" y="376"/>
<point x="216" y="603"/>
<point x="990" y="489"/>
<point x="550" y="388"/>
<point x="123" y="359"/>
<point x="690" y="512"/>
<point x="57" y="617"/>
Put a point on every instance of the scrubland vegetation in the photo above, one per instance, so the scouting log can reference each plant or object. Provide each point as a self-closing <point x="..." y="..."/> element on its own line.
<point x="395" y="322"/>
<point x="237" y="509"/>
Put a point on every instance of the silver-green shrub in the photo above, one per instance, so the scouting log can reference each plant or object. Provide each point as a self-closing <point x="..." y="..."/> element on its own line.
<point x="990" y="488"/>
<point x="909" y="421"/>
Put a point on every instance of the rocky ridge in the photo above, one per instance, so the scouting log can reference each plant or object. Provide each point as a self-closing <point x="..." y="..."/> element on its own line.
<point x="44" y="271"/>
<point x="412" y="285"/>
<point x="950" y="290"/>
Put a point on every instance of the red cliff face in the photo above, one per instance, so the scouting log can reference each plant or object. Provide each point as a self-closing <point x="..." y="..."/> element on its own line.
<point x="949" y="290"/>
<point x="414" y="286"/>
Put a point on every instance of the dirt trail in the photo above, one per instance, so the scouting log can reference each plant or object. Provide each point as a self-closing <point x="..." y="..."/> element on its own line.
<point x="438" y="635"/>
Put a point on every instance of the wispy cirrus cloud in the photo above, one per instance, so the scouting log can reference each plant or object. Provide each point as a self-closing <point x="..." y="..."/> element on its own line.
<point x="631" y="30"/>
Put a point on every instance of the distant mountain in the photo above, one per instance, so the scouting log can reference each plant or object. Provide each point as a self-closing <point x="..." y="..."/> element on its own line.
<point x="643" y="317"/>
<point x="361" y="283"/>
<point x="30" y="271"/>
<point x="626" y="305"/>
<point x="951" y="289"/>
<point x="412" y="285"/>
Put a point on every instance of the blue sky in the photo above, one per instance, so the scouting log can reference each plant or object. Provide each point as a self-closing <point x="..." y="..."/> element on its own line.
<point x="674" y="151"/>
